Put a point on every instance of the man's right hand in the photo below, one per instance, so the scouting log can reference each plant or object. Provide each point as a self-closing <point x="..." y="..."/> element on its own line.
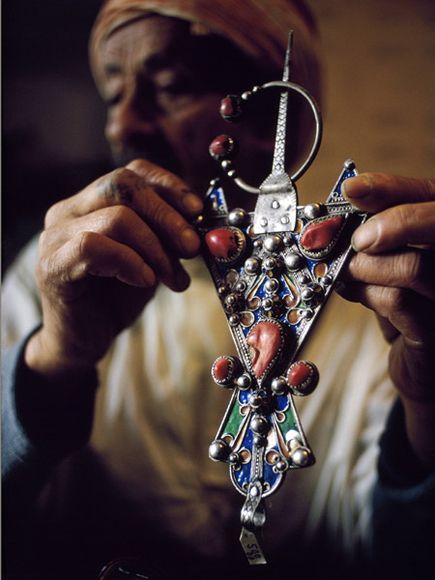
<point x="102" y="253"/>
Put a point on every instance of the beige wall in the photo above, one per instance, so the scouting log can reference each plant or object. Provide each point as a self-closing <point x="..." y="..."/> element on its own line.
<point x="379" y="104"/>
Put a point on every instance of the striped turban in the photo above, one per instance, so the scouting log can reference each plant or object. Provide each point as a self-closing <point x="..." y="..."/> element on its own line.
<point x="258" y="27"/>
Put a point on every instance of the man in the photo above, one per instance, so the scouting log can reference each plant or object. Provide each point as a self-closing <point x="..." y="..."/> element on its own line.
<point x="110" y="259"/>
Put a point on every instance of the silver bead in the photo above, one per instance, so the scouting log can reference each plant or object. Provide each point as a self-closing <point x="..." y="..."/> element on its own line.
<point x="304" y="279"/>
<point x="267" y="304"/>
<point x="293" y="261"/>
<point x="245" y="96"/>
<point x="240" y="286"/>
<point x="313" y="210"/>
<point x="272" y="243"/>
<point x="234" y="319"/>
<point x="260" y="440"/>
<point x="255" y="401"/>
<point x="218" y="450"/>
<point x="301" y="456"/>
<point x="252" y="265"/>
<point x="259" y="424"/>
<point x="234" y="458"/>
<point x="326" y="280"/>
<point x="271" y="285"/>
<point x="308" y="313"/>
<point x="237" y="216"/>
<point x="284" y="220"/>
<point x="307" y="294"/>
<point x="287" y="239"/>
<point x="263" y="222"/>
<point x="258" y="244"/>
<point x="281" y="466"/>
<point x="221" y="290"/>
<point x="269" y="263"/>
<point x="279" y="386"/>
<point x="231" y="299"/>
<point x="275" y="204"/>
<point x="244" y="381"/>
<point x="226" y="163"/>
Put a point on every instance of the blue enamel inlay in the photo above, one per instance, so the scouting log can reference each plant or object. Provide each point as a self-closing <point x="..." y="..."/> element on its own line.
<point x="280" y="402"/>
<point x="244" y="396"/>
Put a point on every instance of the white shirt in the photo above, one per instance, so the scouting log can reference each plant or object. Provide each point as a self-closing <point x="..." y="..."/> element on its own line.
<point x="158" y="410"/>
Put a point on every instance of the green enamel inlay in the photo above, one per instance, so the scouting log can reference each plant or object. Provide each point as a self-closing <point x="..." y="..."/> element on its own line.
<point x="289" y="422"/>
<point x="232" y="425"/>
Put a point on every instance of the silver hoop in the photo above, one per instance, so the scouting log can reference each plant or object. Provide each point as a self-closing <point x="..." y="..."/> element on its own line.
<point x="317" y="136"/>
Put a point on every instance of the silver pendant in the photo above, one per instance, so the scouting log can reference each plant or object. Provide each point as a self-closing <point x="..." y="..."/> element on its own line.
<point x="273" y="270"/>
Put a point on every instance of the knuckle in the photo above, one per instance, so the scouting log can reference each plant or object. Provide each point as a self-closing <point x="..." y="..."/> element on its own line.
<point x="52" y="214"/>
<point x="48" y="273"/>
<point x="138" y="165"/>
<point x="85" y="244"/>
<point x="42" y="241"/>
<point x="161" y="215"/>
<point x="396" y="301"/>
<point x="428" y="186"/>
<point x="119" y="187"/>
<point x="115" y="220"/>
<point x="414" y="269"/>
<point x="42" y="271"/>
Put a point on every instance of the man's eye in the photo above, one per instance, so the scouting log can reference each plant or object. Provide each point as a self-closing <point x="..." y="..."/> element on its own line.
<point x="176" y="87"/>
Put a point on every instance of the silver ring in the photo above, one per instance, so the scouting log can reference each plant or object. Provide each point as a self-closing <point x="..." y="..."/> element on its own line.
<point x="317" y="136"/>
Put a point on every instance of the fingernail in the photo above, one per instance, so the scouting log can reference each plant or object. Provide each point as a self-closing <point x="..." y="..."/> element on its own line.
<point x="148" y="276"/>
<point x="192" y="203"/>
<point x="190" y="240"/>
<point x="183" y="280"/>
<point x="365" y="236"/>
<point x="356" y="187"/>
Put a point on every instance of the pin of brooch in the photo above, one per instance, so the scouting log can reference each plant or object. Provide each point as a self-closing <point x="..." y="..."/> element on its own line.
<point x="274" y="270"/>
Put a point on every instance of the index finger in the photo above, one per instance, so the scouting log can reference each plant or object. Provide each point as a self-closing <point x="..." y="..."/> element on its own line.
<point x="169" y="186"/>
<point x="374" y="192"/>
<point x="128" y="186"/>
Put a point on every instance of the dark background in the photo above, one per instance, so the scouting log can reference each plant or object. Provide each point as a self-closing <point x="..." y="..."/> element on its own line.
<point x="378" y="106"/>
<point x="52" y="116"/>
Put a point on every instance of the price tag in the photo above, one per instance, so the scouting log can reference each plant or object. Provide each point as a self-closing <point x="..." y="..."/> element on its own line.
<point x="252" y="548"/>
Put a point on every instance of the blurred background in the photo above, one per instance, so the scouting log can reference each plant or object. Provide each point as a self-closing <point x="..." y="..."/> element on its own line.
<point x="379" y="104"/>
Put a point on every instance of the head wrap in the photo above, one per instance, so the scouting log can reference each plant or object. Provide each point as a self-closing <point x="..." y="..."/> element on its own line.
<point x="258" y="27"/>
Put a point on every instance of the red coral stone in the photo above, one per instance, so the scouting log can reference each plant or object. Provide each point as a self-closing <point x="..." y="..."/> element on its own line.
<point x="222" y="146"/>
<point x="222" y="243"/>
<point x="318" y="235"/>
<point x="222" y="369"/>
<point x="230" y="107"/>
<point x="266" y="341"/>
<point x="299" y="373"/>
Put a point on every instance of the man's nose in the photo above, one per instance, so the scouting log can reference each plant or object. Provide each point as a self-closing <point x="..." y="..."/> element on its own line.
<point x="129" y="121"/>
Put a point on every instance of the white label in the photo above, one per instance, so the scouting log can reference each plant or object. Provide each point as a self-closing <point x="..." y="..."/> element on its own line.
<point x="252" y="548"/>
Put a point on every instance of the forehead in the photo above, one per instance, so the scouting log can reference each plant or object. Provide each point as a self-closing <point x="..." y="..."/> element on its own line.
<point x="148" y="39"/>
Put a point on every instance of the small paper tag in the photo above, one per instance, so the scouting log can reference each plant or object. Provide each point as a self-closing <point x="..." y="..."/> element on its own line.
<point x="252" y="548"/>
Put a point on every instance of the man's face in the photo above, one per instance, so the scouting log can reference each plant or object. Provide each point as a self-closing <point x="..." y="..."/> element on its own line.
<point x="163" y="87"/>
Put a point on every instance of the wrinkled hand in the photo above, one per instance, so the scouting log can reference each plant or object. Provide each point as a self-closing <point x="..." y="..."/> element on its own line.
<point x="393" y="273"/>
<point x="102" y="253"/>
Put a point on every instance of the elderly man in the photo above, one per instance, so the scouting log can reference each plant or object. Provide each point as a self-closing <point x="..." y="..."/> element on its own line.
<point x="122" y="470"/>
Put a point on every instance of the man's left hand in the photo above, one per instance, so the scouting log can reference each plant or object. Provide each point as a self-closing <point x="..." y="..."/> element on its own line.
<point x="393" y="273"/>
